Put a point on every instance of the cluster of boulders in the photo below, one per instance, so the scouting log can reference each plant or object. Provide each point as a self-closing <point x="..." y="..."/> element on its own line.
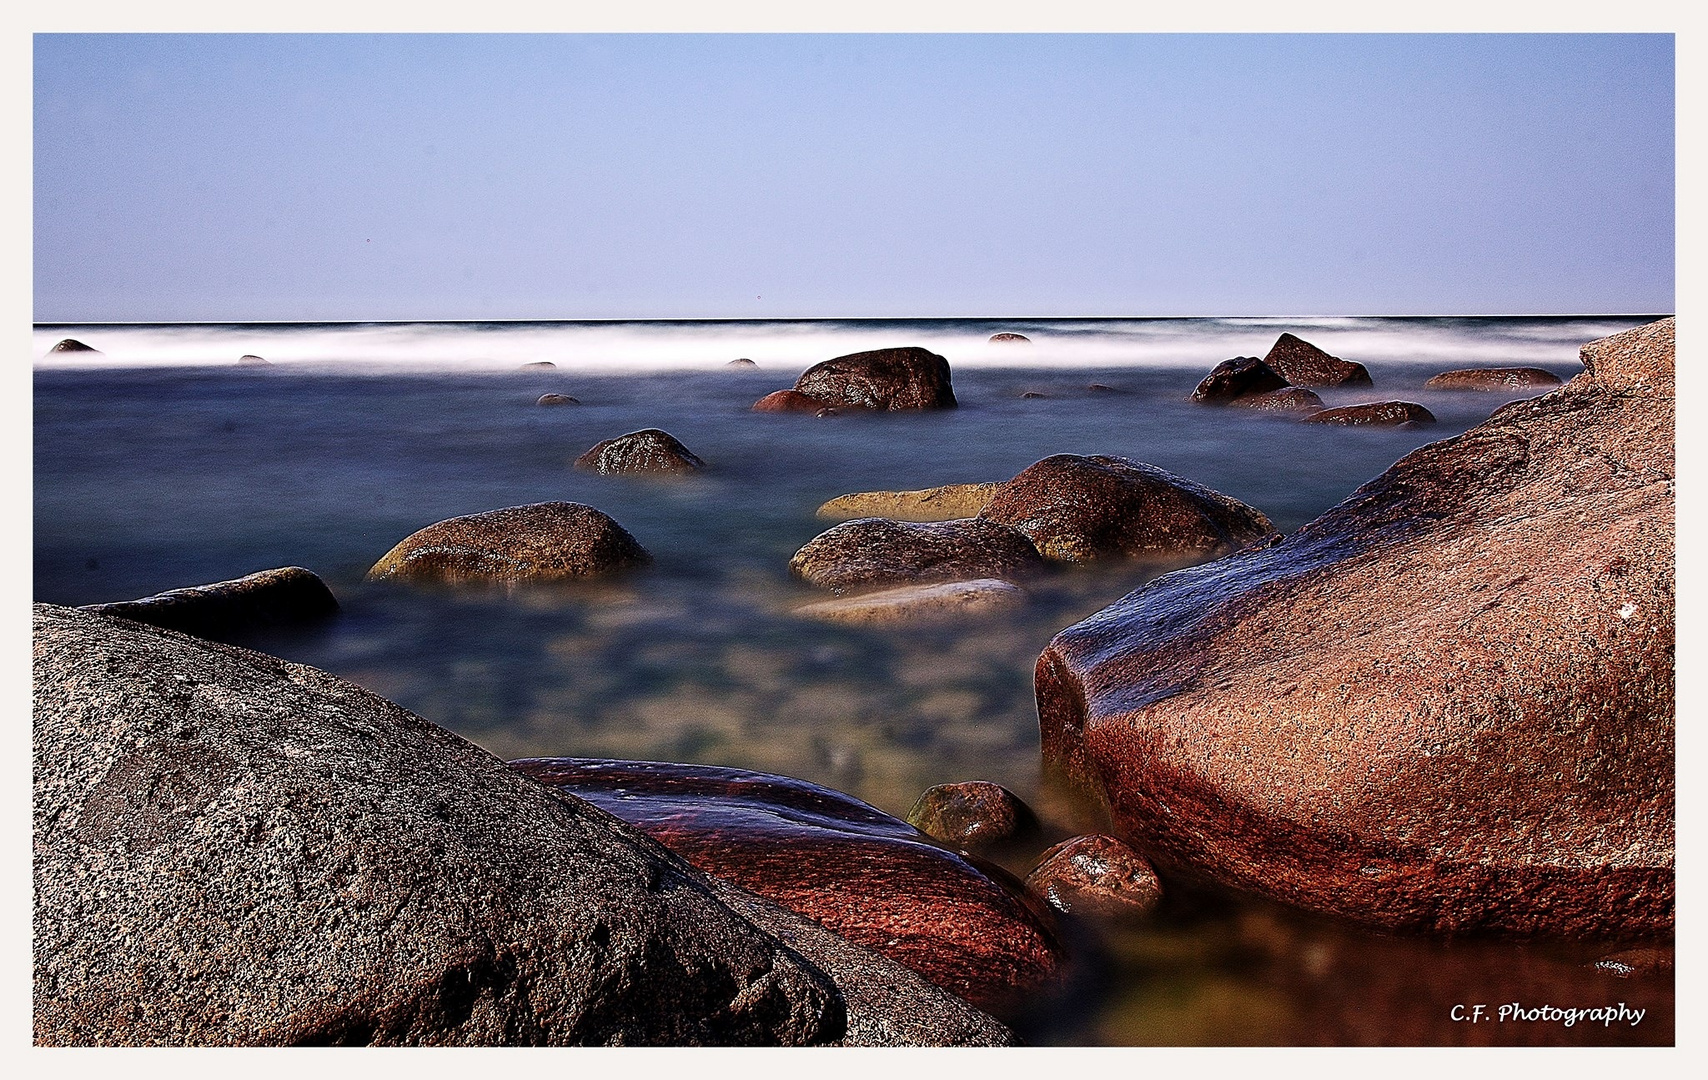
<point x="1278" y="383"/>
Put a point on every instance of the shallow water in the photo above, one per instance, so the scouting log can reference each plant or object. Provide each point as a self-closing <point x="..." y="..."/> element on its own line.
<point x="162" y="464"/>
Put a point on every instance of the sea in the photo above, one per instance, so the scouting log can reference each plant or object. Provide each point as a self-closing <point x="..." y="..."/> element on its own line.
<point x="163" y="461"/>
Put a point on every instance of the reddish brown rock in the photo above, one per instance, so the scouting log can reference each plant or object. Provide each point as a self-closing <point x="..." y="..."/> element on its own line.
<point x="966" y="926"/>
<point x="1493" y="378"/>
<point x="787" y="401"/>
<point x="1446" y="704"/>
<point x="1290" y="399"/>
<point x="1303" y="364"/>
<point x="550" y="541"/>
<point x="975" y="814"/>
<point x="224" y="609"/>
<point x="1011" y="337"/>
<point x="879" y="551"/>
<point x="641" y="452"/>
<point x="1638" y="963"/>
<point x="1097" y="876"/>
<point x="1075" y="509"/>
<point x="949" y="601"/>
<point x="1374" y="414"/>
<point x="73" y="345"/>
<point x="890" y="379"/>
<point x="1237" y="378"/>
<point x="929" y="504"/>
<point x="556" y="399"/>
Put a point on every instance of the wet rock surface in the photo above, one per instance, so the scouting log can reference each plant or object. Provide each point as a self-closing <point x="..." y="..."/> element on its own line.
<point x="879" y="551"/>
<point x="1289" y="399"/>
<point x="965" y="926"/>
<point x="887" y="379"/>
<point x="975" y="814"/>
<point x="550" y="541"/>
<point x="944" y="503"/>
<point x="787" y="401"/>
<point x="1236" y="378"/>
<point x="1098" y="876"/>
<point x="741" y="362"/>
<point x="1303" y="364"/>
<point x="946" y="602"/>
<point x="251" y="360"/>
<point x="289" y="594"/>
<point x="1075" y="509"/>
<point x="1374" y="414"/>
<point x="1493" y="378"/>
<point x="1009" y="336"/>
<point x="72" y="345"/>
<point x="556" y="399"/>
<point x="1445" y="705"/>
<point x="648" y="451"/>
<point x="232" y="849"/>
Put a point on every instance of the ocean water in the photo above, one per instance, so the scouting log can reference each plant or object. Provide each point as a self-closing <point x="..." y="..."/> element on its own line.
<point x="162" y="462"/>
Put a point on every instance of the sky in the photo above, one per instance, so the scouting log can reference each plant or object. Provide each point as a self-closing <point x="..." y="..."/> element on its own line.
<point x="279" y="177"/>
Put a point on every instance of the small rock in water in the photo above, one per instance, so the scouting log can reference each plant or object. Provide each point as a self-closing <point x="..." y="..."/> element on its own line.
<point x="1096" y="875"/>
<point x="1375" y="414"/>
<point x="1033" y="394"/>
<point x="741" y="362"/>
<point x="556" y="399"/>
<point x="551" y="541"/>
<point x="878" y="551"/>
<point x="1236" y="378"/>
<point x="975" y="814"/>
<point x="73" y="345"/>
<point x="1100" y="388"/>
<point x="1288" y="399"/>
<point x="1303" y="364"/>
<point x="1011" y="337"/>
<point x="919" y="603"/>
<point x="251" y="360"/>
<point x="537" y="365"/>
<point x="647" y="451"/>
<point x="886" y="379"/>
<point x="787" y="401"/>
<point x="1493" y="378"/>
<point x="826" y="413"/>
<point x="1636" y="963"/>
<point x="289" y="594"/>
<point x="929" y="504"/>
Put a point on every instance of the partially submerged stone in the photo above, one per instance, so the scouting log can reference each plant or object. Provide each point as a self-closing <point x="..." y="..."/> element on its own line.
<point x="784" y="401"/>
<point x="537" y="365"/>
<point x="885" y="379"/>
<point x="251" y="360"/>
<point x="556" y="399"/>
<point x="945" y="602"/>
<point x="1290" y="399"/>
<point x="74" y="346"/>
<point x="1237" y="378"/>
<point x="648" y="451"/>
<point x="552" y="541"/>
<point x="741" y="362"/>
<point x="928" y="504"/>
<point x="973" y="814"/>
<point x="1010" y="337"/>
<point x="879" y="551"/>
<point x="1303" y="364"/>
<point x="1493" y="378"/>
<point x="1098" y="876"/>
<point x="287" y="595"/>
<point x="1374" y="414"/>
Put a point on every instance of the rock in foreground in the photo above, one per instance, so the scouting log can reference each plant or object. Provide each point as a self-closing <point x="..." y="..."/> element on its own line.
<point x="878" y="551"/>
<point x="232" y="849"/>
<point x="1303" y="364"/>
<point x="974" y="814"/>
<point x="1098" y="876"/>
<point x="551" y="541"/>
<point x="225" y="609"/>
<point x="944" y="503"/>
<point x="1446" y="704"/>
<point x="888" y="379"/>
<point x="649" y="451"/>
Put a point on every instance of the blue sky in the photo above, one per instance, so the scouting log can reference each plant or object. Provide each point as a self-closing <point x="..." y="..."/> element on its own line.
<point x="281" y="177"/>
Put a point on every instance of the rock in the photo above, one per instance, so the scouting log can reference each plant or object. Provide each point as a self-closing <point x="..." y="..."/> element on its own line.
<point x="1010" y="337"/>
<point x="251" y="360"/>
<point x="1374" y="414"/>
<point x="1445" y="705"/>
<point x="647" y="451"/>
<point x="965" y="926"/>
<point x="1097" y="876"/>
<point x="73" y="345"/>
<point x="1100" y="388"/>
<point x="1289" y="399"/>
<point x="741" y="362"/>
<point x="1637" y="963"/>
<point x="1493" y="378"/>
<point x="537" y="365"/>
<point x="1033" y="394"/>
<point x="550" y="541"/>
<point x="787" y="401"/>
<point x="1075" y="509"/>
<point x="232" y="849"/>
<point x="826" y="413"/>
<point x="919" y="603"/>
<point x="929" y="504"/>
<point x="878" y="551"/>
<point x="1303" y="364"/>
<point x="892" y="379"/>
<point x="976" y="815"/>
<point x="1236" y="378"/>
<point x="556" y="399"/>
<point x="226" y="609"/>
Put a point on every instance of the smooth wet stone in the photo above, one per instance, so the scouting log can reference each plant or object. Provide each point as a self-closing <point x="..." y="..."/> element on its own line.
<point x="975" y="814"/>
<point x="251" y="360"/>
<point x="783" y="401"/>
<point x="1303" y="364"/>
<point x="1033" y="394"/>
<point x="1493" y="378"/>
<point x="647" y="451"/>
<point x="887" y="379"/>
<point x="1445" y="705"/>
<point x="1236" y="378"/>
<point x="537" y="365"/>
<point x="556" y="399"/>
<point x="229" y="849"/>
<point x="287" y="595"/>
<point x="946" y="602"/>
<point x="1100" y="388"/>
<point x="1076" y="509"/>
<point x="1375" y="414"/>
<point x="1289" y="399"/>
<point x="1007" y="336"/>
<point x="964" y="925"/>
<point x="1638" y="963"/>
<point x="552" y="541"/>
<point x="928" y="504"/>
<point x="879" y="551"/>
<point x="1098" y="876"/>
<point x="741" y="362"/>
<point x="73" y="345"/>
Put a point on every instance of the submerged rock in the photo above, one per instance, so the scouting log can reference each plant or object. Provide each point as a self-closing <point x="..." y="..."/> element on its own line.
<point x="1007" y="336"/>
<point x="879" y="551"/>
<point x="965" y="926"/>
<point x="919" y="603"/>
<point x="1098" y="876"/>
<point x="1493" y="378"/>
<point x="787" y="401"/>
<point x="73" y="345"/>
<point x="1075" y="509"/>
<point x="1303" y="364"/>
<point x="1237" y="378"/>
<point x="647" y="451"/>
<point x="289" y="594"/>
<point x="975" y="814"/>
<point x="251" y="360"/>
<point x="556" y="399"/>
<point x="741" y="362"/>
<point x="889" y="379"/>
<point x="929" y="504"/>
<point x="1446" y="704"/>
<point x="230" y="849"/>
<point x="1374" y="414"/>
<point x="537" y="365"/>
<point x="1290" y="399"/>
<point x="551" y="541"/>
<point x="1638" y="963"/>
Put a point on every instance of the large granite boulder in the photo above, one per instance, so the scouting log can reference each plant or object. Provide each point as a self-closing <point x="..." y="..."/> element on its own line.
<point x="962" y="924"/>
<point x="1236" y="378"/>
<point x="648" y="451"/>
<point x="1303" y="364"/>
<point x="1075" y="509"/>
<point x="552" y="541"/>
<point x="944" y="503"/>
<point x="879" y="551"/>
<point x="289" y="594"/>
<point x="1446" y="704"/>
<point x="1493" y="378"/>
<point x="232" y="849"/>
<point x="890" y="379"/>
